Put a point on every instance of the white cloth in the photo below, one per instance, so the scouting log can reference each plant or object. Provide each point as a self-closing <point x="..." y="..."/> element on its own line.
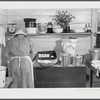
<point x="27" y="57"/>
<point x="2" y="36"/>
<point x="96" y="65"/>
<point x="98" y="71"/>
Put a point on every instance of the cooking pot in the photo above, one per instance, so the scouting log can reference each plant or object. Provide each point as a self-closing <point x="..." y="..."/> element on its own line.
<point x="95" y="54"/>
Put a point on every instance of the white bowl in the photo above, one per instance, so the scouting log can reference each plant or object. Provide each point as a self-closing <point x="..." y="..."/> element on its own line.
<point x="57" y="30"/>
<point x="47" y="63"/>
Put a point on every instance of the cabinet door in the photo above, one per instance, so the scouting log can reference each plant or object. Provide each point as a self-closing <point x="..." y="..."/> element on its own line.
<point x="55" y="77"/>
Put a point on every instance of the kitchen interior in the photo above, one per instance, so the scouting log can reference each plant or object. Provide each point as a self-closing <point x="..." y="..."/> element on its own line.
<point x="53" y="66"/>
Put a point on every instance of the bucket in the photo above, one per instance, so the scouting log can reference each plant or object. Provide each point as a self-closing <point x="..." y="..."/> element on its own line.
<point x="2" y="76"/>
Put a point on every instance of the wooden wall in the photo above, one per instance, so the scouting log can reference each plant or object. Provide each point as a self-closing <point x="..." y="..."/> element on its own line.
<point x="3" y="23"/>
<point x="83" y="16"/>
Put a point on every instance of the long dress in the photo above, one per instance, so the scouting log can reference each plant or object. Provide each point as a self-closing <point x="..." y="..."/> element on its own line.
<point x="22" y="75"/>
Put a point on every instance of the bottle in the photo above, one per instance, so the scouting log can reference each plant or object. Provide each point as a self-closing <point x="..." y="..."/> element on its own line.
<point x="88" y="28"/>
<point x="68" y="28"/>
<point x="49" y="27"/>
<point x="85" y="27"/>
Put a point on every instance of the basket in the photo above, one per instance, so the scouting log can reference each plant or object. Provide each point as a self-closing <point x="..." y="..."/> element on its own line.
<point x="47" y="58"/>
<point x="47" y="63"/>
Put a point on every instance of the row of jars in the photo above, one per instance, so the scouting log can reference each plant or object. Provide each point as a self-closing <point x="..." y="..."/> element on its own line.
<point x="67" y="60"/>
<point x="31" y="27"/>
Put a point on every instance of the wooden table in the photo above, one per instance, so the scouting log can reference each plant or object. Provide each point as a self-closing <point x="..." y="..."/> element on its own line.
<point x="92" y="70"/>
<point x="54" y="77"/>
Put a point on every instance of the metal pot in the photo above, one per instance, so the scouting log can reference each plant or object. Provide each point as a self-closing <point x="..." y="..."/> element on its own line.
<point x="78" y="60"/>
<point x="95" y="54"/>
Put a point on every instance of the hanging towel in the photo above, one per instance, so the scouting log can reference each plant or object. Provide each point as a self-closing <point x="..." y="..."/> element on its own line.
<point x="2" y="36"/>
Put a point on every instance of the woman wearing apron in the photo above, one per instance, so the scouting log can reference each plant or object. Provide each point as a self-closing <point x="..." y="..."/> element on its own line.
<point x="20" y="52"/>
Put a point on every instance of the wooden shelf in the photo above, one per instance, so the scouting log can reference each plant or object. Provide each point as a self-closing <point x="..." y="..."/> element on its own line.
<point x="57" y="35"/>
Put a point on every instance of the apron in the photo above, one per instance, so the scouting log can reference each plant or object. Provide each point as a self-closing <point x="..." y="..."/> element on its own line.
<point x="29" y="59"/>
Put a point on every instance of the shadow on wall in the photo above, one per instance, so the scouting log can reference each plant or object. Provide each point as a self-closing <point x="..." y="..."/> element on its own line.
<point x="58" y="48"/>
<point x="87" y="58"/>
<point x="4" y="59"/>
<point x="20" y="25"/>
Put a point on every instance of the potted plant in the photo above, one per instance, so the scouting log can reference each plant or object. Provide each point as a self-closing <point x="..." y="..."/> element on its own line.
<point x="63" y="19"/>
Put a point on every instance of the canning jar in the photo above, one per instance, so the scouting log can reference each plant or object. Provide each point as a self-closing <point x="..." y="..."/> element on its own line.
<point x="30" y="25"/>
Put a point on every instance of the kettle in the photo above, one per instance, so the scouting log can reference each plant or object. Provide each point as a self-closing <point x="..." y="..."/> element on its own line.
<point x="78" y="60"/>
<point x="95" y="54"/>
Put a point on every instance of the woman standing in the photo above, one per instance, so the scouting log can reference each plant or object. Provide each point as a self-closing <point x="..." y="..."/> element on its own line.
<point x="20" y="53"/>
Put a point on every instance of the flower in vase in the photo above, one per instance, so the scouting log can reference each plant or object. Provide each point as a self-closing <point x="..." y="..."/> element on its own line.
<point x="63" y="18"/>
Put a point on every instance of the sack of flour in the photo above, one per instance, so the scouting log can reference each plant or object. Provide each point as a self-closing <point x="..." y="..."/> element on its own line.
<point x="69" y="46"/>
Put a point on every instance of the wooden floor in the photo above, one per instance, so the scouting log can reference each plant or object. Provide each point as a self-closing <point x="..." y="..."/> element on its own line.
<point x="96" y="80"/>
<point x="96" y="84"/>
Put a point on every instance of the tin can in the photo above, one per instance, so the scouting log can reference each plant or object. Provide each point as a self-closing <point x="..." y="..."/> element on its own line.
<point x="65" y="60"/>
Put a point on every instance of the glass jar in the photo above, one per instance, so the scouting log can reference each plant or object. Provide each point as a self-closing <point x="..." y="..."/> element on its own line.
<point x="30" y="25"/>
<point x="42" y="28"/>
<point x="49" y="27"/>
